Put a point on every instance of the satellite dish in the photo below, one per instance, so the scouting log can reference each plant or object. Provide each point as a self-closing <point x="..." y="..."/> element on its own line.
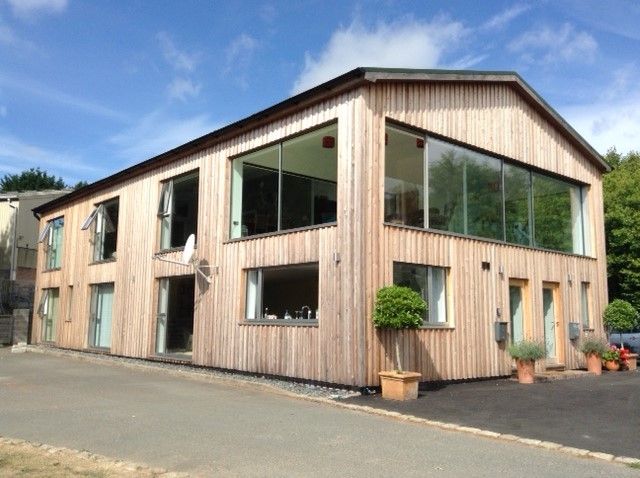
<point x="187" y="252"/>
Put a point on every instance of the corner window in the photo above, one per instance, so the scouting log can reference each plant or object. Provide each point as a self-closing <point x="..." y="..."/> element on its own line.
<point x="283" y="294"/>
<point x="178" y="210"/>
<point x="51" y="236"/>
<point x="103" y="222"/>
<point x="467" y="192"/>
<point x="290" y="185"/>
<point x="431" y="283"/>
<point x="48" y="311"/>
<point x="174" y="324"/>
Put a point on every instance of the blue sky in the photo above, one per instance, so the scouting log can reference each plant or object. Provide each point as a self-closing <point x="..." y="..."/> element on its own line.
<point x="90" y="87"/>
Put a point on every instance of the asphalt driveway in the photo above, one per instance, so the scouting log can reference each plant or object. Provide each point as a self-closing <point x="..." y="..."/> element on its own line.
<point x="221" y="429"/>
<point x="597" y="413"/>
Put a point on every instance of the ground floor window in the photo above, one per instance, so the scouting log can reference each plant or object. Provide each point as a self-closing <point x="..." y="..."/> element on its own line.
<point x="517" y="310"/>
<point x="101" y="315"/>
<point x="431" y="283"/>
<point x="287" y="293"/>
<point x="48" y="310"/>
<point x="174" y="325"/>
<point x="584" y="306"/>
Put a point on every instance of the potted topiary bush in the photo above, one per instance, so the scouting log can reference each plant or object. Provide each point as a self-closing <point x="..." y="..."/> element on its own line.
<point x="593" y="348"/>
<point x="620" y="316"/>
<point x="526" y="352"/>
<point x="398" y="308"/>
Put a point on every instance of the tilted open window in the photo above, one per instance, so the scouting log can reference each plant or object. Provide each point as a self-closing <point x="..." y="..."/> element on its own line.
<point x="103" y="222"/>
<point x="178" y="210"/>
<point x="51" y="237"/>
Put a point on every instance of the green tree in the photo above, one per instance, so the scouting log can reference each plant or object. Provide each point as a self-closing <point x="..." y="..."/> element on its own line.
<point x="80" y="184"/>
<point x="33" y="179"/>
<point x="622" y="225"/>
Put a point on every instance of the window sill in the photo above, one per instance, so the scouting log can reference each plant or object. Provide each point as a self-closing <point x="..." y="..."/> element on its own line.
<point x="282" y="232"/>
<point x="55" y="269"/>
<point x="281" y="322"/>
<point x="437" y="327"/>
<point x="169" y="250"/>
<point x="486" y="239"/>
<point x="103" y="261"/>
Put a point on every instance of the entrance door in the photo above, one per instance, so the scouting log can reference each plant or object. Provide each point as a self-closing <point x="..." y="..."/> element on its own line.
<point x="551" y="322"/>
<point x="174" y="325"/>
<point x="101" y="313"/>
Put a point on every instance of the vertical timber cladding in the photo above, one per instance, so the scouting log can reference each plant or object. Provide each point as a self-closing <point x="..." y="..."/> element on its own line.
<point x="496" y="118"/>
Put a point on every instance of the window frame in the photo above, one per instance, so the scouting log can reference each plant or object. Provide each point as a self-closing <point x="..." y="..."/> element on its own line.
<point x="448" y="309"/>
<point x="166" y="206"/>
<point x="97" y="221"/>
<point x="46" y="237"/>
<point x="582" y="200"/>
<point x="260" y="298"/>
<point x="279" y="144"/>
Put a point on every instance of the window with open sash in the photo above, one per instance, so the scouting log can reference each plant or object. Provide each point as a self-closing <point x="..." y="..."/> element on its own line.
<point x="286" y="294"/>
<point x="51" y="236"/>
<point x="48" y="311"/>
<point x="178" y="210"/>
<point x="103" y="223"/>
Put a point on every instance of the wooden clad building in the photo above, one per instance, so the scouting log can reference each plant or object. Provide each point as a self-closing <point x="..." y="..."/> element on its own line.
<point x="466" y="186"/>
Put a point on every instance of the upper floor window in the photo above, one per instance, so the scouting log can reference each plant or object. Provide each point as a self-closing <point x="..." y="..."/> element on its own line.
<point x="51" y="236"/>
<point x="289" y="185"/>
<point x="178" y="210"/>
<point x="103" y="222"/>
<point x="467" y="192"/>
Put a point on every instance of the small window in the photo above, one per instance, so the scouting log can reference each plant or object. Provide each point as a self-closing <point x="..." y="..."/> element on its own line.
<point x="51" y="237"/>
<point x="284" y="294"/>
<point x="48" y="311"/>
<point x="178" y="210"/>
<point x="103" y="222"/>
<point x="431" y="283"/>
<point x="69" y="303"/>
<point x="585" y="315"/>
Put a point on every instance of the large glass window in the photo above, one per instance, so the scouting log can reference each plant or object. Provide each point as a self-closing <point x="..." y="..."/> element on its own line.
<point x="101" y="315"/>
<point x="478" y="195"/>
<point x="51" y="236"/>
<point x="48" y="311"/>
<point x="557" y="209"/>
<point x="103" y="222"/>
<point x="174" y="326"/>
<point x="178" y="210"/>
<point x="289" y="185"/>
<point x="431" y="283"/>
<point x="286" y="293"/>
<point x="404" y="178"/>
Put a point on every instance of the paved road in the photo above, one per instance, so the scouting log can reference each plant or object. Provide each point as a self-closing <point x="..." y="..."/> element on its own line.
<point x="596" y="413"/>
<point x="225" y="430"/>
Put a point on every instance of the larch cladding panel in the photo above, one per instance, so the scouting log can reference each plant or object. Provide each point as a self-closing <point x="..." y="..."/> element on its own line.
<point x="333" y="351"/>
<point x="495" y="118"/>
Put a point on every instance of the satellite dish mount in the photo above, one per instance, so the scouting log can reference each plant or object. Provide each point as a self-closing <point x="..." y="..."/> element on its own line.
<point x="188" y="258"/>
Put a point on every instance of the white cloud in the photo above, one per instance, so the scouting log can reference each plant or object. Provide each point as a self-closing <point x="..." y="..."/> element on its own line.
<point x="183" y="88"/>
<point x="157" y="133"/>
<point x="552" y="45"/>
<point x="37" y="89"/>
<point x="505" y="17"/>
<point x="612" y="118"/>
<point x="178" y="59"/>
<point x="239" y="55"/>
<point x="408" y="44"/>
<point x="10" y="39"/>
<point x="20" y="155"/>
<point x="27" y="9"/>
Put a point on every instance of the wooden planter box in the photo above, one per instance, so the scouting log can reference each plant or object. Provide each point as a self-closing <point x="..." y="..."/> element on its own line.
<point x="399" y="386"/>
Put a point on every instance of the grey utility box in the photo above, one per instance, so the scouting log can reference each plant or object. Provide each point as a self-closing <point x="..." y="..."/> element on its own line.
<point x="500" y="329"/>
<point x="574" y="330"/>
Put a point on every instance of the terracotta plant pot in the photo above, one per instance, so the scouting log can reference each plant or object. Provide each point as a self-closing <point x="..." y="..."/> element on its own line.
<point x="632" y="362"/>
<point x="526" y="370"/>
<point x="594" y="363"/>
<point x="612" y="365"/>
<point x="399" y="386"/>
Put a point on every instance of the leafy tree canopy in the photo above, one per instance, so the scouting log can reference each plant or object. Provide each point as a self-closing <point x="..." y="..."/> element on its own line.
<point x="33" y="179"/>
<point x="622" y="224"/>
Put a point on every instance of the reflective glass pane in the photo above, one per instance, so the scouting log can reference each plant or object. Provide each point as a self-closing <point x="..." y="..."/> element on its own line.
<point x="446" y="170"/>
<point x="554" y="213"/>
<point x="404" y="177"/>
<point x="483" y="177"/>
<point x="517" y="189"/>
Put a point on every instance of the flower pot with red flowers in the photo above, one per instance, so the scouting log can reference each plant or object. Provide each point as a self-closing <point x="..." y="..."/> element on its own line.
<point x="611" y="359"/>
<point x="593" y="348"/>
<point x="526" y="353"/>
<point x="398" y="308"/>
